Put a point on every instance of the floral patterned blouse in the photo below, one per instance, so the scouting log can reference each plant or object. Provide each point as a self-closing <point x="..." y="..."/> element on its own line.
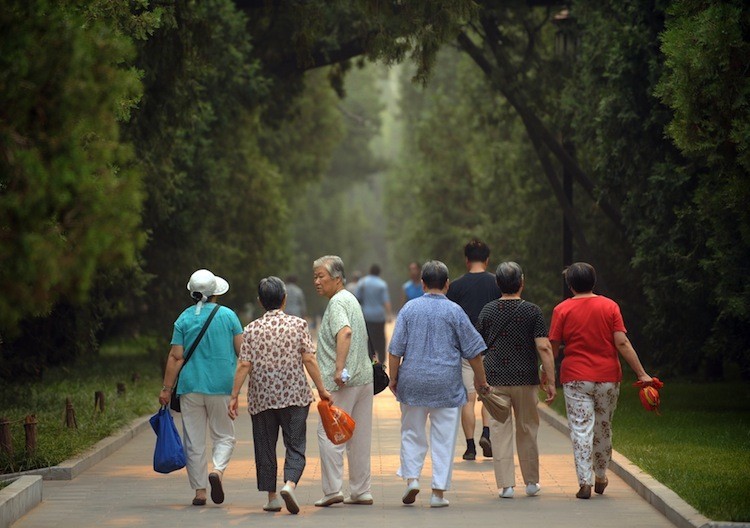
<point x="274" y="344"/>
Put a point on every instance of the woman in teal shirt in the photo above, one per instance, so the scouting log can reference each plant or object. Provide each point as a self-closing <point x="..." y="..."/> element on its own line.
<point x="205" y="382"/>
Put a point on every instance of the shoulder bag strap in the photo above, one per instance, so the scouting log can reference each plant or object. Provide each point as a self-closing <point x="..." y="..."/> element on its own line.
<point x="200" y="335"/>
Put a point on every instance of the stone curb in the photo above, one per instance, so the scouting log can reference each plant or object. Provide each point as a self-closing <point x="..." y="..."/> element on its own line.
<point x="19" y="498"/>
<point x="73" y="467"/>
<point x="666" y="501"/>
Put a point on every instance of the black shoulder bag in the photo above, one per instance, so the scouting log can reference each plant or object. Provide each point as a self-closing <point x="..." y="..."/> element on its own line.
<point x="380" y="379"/>
<point x="174" y="401"/>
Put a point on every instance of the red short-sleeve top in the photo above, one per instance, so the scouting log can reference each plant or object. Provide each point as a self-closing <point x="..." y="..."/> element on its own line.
<point x="586" y="325"/>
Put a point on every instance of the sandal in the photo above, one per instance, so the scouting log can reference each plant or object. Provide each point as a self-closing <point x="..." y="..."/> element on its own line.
<point x="599" y="485"/>
<point x="217" y="490"/>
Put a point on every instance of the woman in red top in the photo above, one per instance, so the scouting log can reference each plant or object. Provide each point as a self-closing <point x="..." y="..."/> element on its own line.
<point x="592" y="329"/>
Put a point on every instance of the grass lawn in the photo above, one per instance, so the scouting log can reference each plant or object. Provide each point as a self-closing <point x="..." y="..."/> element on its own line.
<point x="699" y="446"/>
<point x="46" y="399"/>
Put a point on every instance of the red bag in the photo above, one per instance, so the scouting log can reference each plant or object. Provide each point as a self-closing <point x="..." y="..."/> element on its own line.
<point x="338" y="425"/>
<point x="649" y="394"/>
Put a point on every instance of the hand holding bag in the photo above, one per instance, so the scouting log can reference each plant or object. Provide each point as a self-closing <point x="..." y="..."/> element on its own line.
<point x="498" y="405"/>
<point x="168" y="453"/>
<point x="174" y="400"/>
<point x="338" y="425"/>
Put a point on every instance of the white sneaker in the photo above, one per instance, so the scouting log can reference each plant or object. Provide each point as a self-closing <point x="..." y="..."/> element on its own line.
<point x="410" y="495"/>
<point x="273" y="505"/>
<point x="438" y="502"/>
<point x="287" y="493"/>
<point x="363" y="498"/>
<point x="507" y="493"/>
<point x="332" y="498"/>
<point x="532" y="489"/>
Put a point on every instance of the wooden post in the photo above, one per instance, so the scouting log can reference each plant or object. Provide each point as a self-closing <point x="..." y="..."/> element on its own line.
<point x="6" y="439"/>
<point x="99" y="401"/>
<point x="30" y="427"/>
<point x="120" y="389"/>
<point x="70" y="414"/>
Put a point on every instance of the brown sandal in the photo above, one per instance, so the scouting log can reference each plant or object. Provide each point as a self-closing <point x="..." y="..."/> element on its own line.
<point x="199" y="502"/>
<point x="217" y="490"/>
<point x="584" y="492"/>
<point x="599" y="485"/>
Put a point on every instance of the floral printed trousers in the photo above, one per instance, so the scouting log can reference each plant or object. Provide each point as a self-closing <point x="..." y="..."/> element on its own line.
<point x="590" y="406"/>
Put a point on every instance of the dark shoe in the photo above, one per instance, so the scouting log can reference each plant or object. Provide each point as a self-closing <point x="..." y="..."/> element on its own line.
<point x="217" y="490"/>
<point x="199" y="502"/>
<point x="470" y="454"/>
<point x="599" y="485"/>
<point x="584" y="492"/>
<point x="486" y="446"/>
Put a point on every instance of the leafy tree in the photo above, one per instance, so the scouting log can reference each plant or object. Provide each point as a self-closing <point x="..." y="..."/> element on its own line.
<point x="706" y="47"/>
<point x="70" y="196"/>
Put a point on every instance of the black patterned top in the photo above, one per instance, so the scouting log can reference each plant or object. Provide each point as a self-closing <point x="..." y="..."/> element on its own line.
<point x="509" y="327"/>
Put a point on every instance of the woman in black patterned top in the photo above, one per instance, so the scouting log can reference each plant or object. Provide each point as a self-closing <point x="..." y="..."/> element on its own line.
<point x="515" y="332"/>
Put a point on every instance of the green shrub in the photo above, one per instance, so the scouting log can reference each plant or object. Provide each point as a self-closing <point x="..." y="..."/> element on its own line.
<point x="134" y="363"/>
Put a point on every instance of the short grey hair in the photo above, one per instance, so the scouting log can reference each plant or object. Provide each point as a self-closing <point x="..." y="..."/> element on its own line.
<point x="333" y="265"/>
<point x="271" y="292"/>
<point x="434" y="274"/>
<point x="509" y="276"/>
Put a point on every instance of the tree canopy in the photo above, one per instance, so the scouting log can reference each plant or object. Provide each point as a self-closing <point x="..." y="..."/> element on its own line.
<point x="142" y="140"/>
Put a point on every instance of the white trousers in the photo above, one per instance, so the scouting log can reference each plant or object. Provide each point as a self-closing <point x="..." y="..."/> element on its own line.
<point x="444" y="424"/>
<point x="201" y="412"/>
<point x="590" y="406"/>
<point x="357" y="402"/>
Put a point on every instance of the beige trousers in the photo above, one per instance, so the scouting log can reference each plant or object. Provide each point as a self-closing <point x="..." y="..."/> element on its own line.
<point x="526" y="417"/>
<point x="357" y="402"/>
<point x="199" y="413"/>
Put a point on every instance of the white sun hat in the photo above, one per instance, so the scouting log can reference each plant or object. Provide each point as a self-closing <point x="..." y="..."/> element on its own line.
<point x="203" y="284"/>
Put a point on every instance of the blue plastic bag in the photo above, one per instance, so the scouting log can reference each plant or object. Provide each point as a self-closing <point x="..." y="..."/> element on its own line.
<point x="168" y="453"/>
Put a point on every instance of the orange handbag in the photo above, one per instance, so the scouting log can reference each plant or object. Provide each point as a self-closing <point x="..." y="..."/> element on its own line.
<point x="338" y="425"/>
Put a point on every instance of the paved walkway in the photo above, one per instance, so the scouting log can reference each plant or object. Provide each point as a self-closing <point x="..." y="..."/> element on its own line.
<point x="123" y="490"/>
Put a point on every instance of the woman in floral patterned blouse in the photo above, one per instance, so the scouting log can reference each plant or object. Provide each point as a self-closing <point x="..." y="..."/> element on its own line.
<point x="274" y="350"/>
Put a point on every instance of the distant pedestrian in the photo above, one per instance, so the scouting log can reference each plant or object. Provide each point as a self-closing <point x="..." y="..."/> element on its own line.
<point x="471" y="292"/>
<point x="347" y="373"/>
<point x="353" y="281"/>
<point x="431" y="337"/>
<point x="276" y="350"/>
<point x="515" y="332"/>
<point x="412" y="288"/>
<point x="205" y="382"/>
<point x="593" y="332"/>
<point x="295" y="298"/>
<point x="372" y="293"/>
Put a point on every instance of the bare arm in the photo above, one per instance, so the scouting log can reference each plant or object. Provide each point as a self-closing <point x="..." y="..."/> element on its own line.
<point x="343" y="342"/>
<point x="394" y="362"/>
<point x="629" y="354"/>
<point x="311" y="365"/>
<point x="244" y="369"/>
<point x="237" y="344"/>
<point x="544" y="349"/>
<point x="174" y="364"/>
<point x="480" y="378"/>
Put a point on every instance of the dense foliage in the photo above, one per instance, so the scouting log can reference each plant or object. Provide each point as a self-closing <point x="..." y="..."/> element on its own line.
<point x="142" y="140"/>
